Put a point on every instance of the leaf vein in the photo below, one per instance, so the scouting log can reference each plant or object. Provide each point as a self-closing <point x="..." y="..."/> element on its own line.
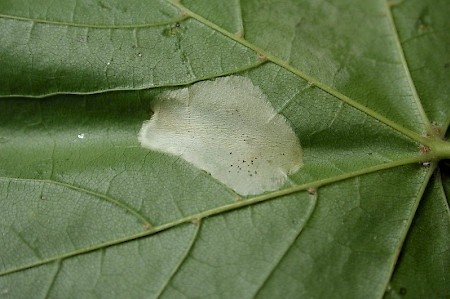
<point x="182" y="260"/>
<point x="404" y="63"/>
<point x="402" y="238"/>
<point x="223" y="209"/>
<point x="117" y="203"/>
<point x="53" y="279"/>
<point x="94" y="26"/>
<point x="292" y="241"/>
<point x="273" y="58"/>
<point x="241" y="31"/>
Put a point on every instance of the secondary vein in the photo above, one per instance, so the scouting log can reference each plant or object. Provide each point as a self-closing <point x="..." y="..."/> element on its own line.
<point x="280" y="258"/>
<point x="97" y="26"/>
<point x="119" y="204"/>
<point x="223" y="209"/>
<point x="412" y="86"/>
<point x="182" y="260"/>
<point x="402" y="238"/>
<point x="313" y="81"/>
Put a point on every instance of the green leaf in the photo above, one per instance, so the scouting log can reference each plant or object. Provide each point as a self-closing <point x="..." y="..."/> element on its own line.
<point x="87" y="212"/>
<point x="66" y="50"/>
<point x="424" y="262"/>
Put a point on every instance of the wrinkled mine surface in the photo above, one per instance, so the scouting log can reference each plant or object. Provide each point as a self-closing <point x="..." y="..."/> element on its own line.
<point x="228" y="128"/>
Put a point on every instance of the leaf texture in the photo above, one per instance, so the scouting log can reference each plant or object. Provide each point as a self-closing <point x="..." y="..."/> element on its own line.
<point x="88" y="213"/>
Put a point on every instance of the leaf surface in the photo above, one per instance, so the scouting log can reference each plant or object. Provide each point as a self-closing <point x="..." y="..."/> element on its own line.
<point x="87" y="212"/>
<point x="424" y="262"/>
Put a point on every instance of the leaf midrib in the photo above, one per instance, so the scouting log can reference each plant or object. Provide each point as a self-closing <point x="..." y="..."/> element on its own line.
<point x="266" y="56"/>
<point x="405" y="232"/>
<point x="194" y="218"/>
<point x="311" y="80"/>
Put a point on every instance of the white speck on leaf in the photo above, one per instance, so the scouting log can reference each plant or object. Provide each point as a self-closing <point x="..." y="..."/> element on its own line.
<point x="81" y="136"/>
<point x="228" y="128"/>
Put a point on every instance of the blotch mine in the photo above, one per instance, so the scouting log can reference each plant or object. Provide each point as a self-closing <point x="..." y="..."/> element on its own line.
<point x="228" y="128"/>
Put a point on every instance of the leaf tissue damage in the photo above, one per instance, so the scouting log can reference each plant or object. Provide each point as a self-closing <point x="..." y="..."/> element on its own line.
<point x="228" y="128"/>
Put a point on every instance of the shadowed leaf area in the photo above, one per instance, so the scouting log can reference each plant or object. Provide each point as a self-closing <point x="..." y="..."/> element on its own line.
<point x="87" y="212"/>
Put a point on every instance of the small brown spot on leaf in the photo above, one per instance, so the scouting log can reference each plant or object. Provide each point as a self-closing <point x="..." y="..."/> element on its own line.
<point x="262" y="57"/>
<point x="312" y="191"/>
<point x="424" y="149"/>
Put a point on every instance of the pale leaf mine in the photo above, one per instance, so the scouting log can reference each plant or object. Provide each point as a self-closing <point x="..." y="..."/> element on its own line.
<point x="228" y="128"/>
